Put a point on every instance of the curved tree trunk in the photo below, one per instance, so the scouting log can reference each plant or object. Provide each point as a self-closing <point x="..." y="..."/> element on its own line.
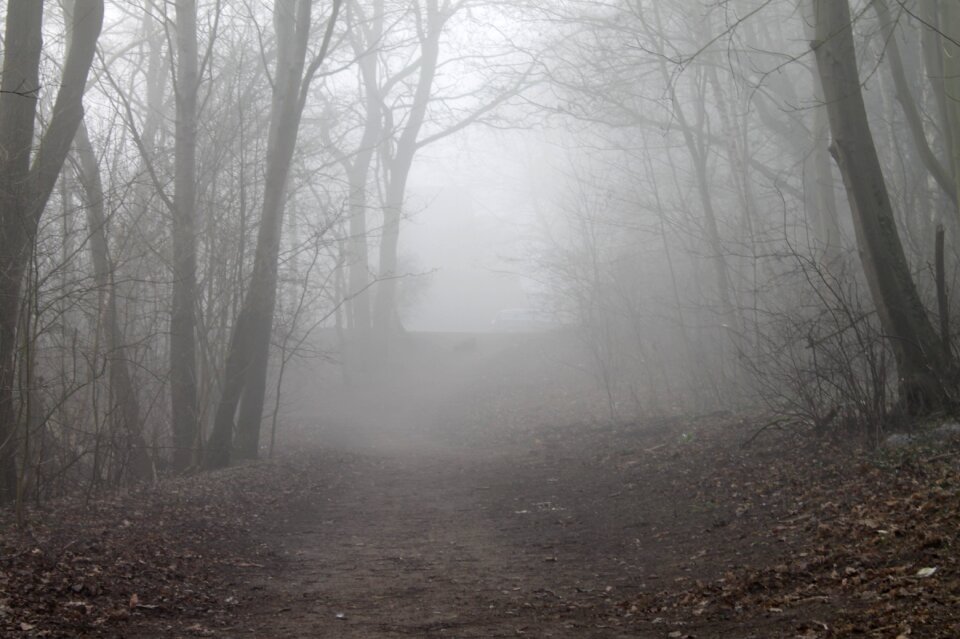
<point x="923" y="366"/>
<point x="911" y="112"/>
<point x="385" y="316"/>
<point x="25" y="185"/>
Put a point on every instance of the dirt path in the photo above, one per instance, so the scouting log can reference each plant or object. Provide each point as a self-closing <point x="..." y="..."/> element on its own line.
<point x="445" y="544"/>
<point x="486" y="505"/>
<point x="670" y="530"/>
<point x="549" y="535"/>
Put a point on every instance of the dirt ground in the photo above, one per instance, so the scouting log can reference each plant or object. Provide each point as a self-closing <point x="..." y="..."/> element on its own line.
<point x="657" y="530"/>
<point x="421" y="521"/>
<point x="556" y="538"/>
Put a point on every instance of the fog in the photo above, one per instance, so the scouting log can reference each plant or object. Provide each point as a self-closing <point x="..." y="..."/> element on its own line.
<point x="264" y="220"/>
<point x="468" y="232"/>
<point x="479" y="318"/>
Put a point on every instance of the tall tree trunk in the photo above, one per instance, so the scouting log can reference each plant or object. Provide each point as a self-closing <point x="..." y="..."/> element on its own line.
<point x="358" y="264"/>
<point x="245" y="372"/>
<point x="820" y="188"/>
<point x="698" y="154"/>
<point x="922" y="365"/>
<point x="810" y="148"/>
<point x="911" y="113"/>
<point x="386" y="319"/>
<point x="139" y="466"/>
<point x="698" y="147"/>
<point x="365" y="34"/>
<point x="398" y="164"/>
<point x="358" y="172"/>
<point x="819" y="184"/>
<point x="933" y="46"/>
<point x="183" y="345"/>
<point x="25" y="185"/>
<point x="20" y="83"/>
<point x="947" y="84"/>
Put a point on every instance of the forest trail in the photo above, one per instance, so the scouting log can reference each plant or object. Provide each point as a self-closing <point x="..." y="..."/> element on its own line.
<point x="473" y="496"/>
<point x="439" y="544"/>
<point x="666" y="529"/>
<point x="535" y="536"/>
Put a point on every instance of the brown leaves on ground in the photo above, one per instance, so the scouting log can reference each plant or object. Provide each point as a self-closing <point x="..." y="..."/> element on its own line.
<point x="868" y="540"/>
<point x="156" y="557"/>
<point x="663" y="529"/>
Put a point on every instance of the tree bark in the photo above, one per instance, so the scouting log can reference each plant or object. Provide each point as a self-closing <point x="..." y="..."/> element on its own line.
<point x="947" y="85"/>
<point x="245" y="372"/>
<point x="359" y="170"/>
<point x="25" y="185"/>
<point x="183" y="346"/>
<point x="819" y="190"/>
<point x="697" y="143"/>
<point x="921" y="363"/>
<point x="398" y="164"/>
<point x="943" y="306"/>
<point x="139" y="465"/>
<point x="365" y="34"/>
<point x="910" y="111"/>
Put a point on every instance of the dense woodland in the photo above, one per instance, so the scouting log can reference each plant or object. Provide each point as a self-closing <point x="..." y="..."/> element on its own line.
<point x="746" y="203"/>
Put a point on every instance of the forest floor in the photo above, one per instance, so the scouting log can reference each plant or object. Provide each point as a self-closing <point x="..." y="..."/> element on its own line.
<point x="665" y="529"/>
<point x="475" y="494"/>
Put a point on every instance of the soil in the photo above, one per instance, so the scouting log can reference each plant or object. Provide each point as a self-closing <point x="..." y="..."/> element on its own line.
<point x="501" y="527"/>
<point x="557" y="538"/>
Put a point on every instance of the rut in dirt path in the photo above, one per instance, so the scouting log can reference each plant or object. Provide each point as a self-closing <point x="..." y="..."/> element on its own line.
<point x="451" y="545"/>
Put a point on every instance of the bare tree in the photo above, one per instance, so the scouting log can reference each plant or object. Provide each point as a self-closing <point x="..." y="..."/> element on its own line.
<point x="27" y="179"/>
<point x="399" y="49"/>
<point x="183" y="345"/>
<point x="245" y="372"/>
<point x="365" y="35"/>
<point x="118" y="359"/>
<point x="923" y="366"/>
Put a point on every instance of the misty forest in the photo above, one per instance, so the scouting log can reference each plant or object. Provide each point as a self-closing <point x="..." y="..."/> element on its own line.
<point x="480" y="318"/>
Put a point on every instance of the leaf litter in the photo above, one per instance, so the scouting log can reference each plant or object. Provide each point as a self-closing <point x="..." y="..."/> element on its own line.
<point x="669" y="528"/>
